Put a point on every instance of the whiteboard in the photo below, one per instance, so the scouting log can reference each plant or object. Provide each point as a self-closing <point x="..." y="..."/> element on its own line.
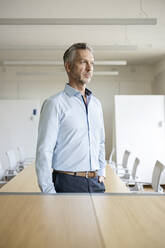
<point x="139" y="125"/>
<point x="18" y="126"/>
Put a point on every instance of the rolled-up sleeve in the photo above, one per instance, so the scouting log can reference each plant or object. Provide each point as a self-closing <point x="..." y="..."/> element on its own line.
<point x="47" y="136"/>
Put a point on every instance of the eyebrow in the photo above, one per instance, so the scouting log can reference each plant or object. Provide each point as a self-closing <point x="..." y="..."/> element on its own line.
<point x="86" y="60"/>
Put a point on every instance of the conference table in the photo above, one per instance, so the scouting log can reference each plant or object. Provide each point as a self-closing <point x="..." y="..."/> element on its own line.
<point x="116" y="219"/>
<point x="26" y="181"/>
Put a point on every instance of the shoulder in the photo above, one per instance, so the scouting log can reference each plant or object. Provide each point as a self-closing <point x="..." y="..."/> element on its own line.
<point x="95" y="100"/>
<point x="55" y="98"/>
<point x="53" y="101"/>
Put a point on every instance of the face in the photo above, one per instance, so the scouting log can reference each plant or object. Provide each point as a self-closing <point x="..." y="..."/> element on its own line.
<point x="81" y="69"/>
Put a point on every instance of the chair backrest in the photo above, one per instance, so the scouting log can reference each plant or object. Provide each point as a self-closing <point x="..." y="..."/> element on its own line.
<point x="158" y="168"/>
<point x="2" y="171"/>
<point x="125" y="158"/>
<point x="134" y="169"/>
<point x="111" y="156"/>
<point x="21" y="154"/>
<point x="12" y="159"/>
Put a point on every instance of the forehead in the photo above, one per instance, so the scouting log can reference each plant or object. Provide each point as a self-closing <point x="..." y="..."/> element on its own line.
<point x="84" y="54"/>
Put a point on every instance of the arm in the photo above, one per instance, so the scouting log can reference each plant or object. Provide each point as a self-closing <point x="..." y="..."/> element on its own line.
<point x="47" y="136"/>
<point x="102" y="162"/>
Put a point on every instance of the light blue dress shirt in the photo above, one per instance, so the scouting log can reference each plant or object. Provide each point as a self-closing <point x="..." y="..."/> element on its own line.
<point x="70" y="136"/>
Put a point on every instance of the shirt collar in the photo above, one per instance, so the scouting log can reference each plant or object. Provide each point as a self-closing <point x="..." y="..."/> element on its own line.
<point x="73" y="92"/>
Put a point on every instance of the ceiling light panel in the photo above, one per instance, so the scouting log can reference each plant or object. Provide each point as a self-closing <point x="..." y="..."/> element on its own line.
<point x="78" y="21"/>
<point x="52" y="63"/>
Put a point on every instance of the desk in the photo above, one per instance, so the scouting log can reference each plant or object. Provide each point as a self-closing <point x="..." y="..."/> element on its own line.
<point x="113" y="183"/>
<point x="33" y="220"/>
<point x="128" y="221"/>
<point x="48" y="221"/>
<point x="81" y="220"/>
<point x="26" y="181"/>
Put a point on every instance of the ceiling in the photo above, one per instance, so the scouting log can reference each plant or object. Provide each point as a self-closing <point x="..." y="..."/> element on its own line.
<point x="110" y="42"/>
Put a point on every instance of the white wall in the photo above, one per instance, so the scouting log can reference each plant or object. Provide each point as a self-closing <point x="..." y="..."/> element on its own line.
<point x="41" y="82"/>
<point x="158" y="85"/>
<point x="18" y="127"/>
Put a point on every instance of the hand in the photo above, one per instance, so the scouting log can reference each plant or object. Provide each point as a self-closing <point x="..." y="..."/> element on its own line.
<point x="101" y="179"/>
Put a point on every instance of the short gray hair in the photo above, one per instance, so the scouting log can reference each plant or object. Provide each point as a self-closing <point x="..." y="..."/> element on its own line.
<point x="70" y="52"/>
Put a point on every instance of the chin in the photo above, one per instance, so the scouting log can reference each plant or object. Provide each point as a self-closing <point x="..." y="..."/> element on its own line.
<point x="86" y="81"/>
<point x="83" y="82"/>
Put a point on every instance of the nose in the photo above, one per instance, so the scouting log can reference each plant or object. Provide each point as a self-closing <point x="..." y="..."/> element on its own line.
<point x="89" y="67"/>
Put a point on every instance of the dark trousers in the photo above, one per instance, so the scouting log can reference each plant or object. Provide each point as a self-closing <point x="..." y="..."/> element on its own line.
<point x="74" y="184"/>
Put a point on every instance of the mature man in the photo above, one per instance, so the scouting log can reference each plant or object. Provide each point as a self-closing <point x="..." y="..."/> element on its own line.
<point x="70" y="151"/>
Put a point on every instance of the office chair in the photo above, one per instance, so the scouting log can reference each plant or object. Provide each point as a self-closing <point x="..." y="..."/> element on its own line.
<point x="155" y="182"/>
<point x="111" y="162"/>
<point x="2" y="175"/>
<point x="121" y="169"/>
<point x="23" y="160"/>
<point x="14" y="166"/>
<point x="5" y="175"/>
<point x="130" y="179"/>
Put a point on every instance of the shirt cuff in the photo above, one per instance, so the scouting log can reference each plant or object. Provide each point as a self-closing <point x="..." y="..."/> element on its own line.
<point x="48" y="190"/>
<point x="52" y="192"/>
<point x="101" y="172"/>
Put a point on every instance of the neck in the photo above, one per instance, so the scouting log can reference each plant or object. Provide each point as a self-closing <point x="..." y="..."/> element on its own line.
<point x="79" y="87"/>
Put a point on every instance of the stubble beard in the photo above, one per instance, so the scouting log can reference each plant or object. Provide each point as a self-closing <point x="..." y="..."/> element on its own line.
<point x="83" y="81"/>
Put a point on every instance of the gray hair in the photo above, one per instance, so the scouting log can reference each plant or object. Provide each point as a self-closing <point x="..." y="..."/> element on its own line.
<point x="70" y="52"/>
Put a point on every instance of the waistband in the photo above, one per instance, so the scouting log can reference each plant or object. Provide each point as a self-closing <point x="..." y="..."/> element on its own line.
<point x="86" y="174"/>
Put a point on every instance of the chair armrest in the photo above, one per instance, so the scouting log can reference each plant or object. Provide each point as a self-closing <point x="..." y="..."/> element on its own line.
<point x="160" y="190"/>
<point x="126" y="176"/>
<point x="122" y="171"/>
<point x="10" y="173"/>
<point x="3" y="182"/>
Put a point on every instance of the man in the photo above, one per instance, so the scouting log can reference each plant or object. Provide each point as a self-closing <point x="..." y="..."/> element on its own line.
<point x="71" y="132"/>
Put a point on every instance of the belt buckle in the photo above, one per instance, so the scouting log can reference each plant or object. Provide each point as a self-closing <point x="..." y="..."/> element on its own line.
<point x="86" y="174"/>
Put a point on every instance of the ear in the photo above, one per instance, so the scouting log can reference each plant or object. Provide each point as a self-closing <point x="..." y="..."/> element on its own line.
<point x="67" y="67"/>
